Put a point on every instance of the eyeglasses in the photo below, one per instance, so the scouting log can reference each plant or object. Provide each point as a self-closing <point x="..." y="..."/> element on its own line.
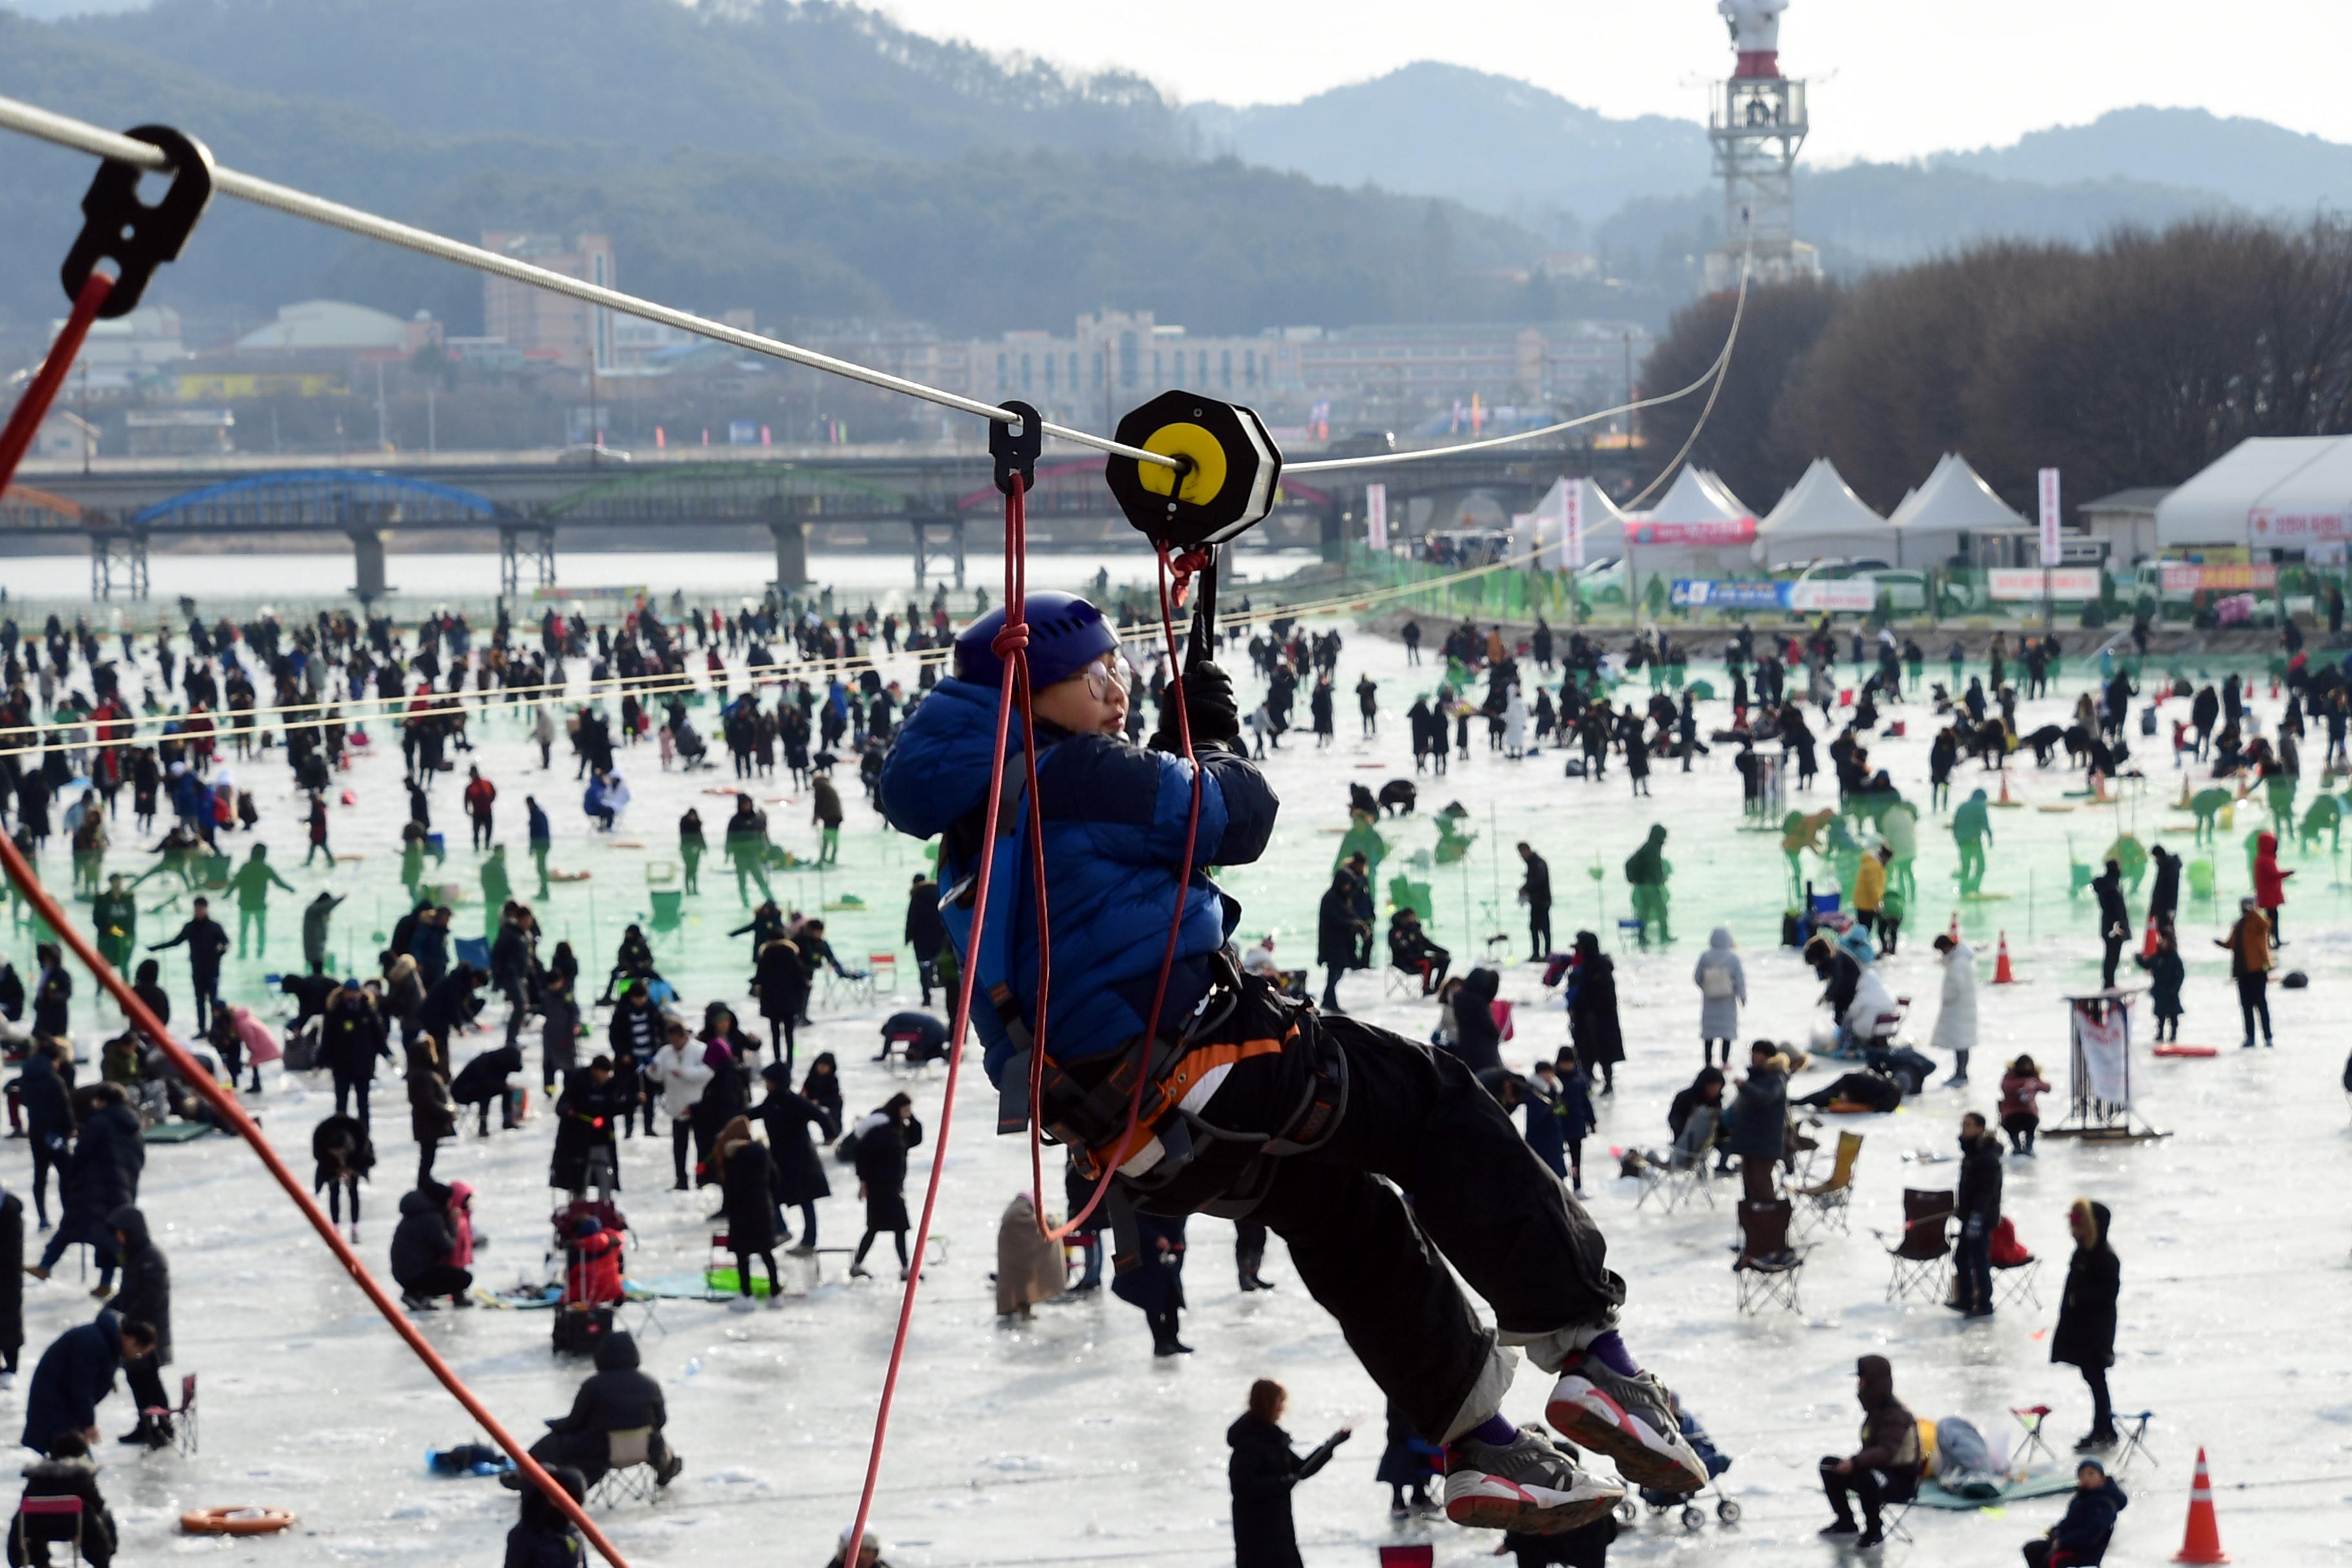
<point x="1110" y="671"/>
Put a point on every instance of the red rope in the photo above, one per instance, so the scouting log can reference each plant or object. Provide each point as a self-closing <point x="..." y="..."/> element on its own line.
<point x="14" y="441"/>
<point x="35" y="406"/>
<point x="1121" y="1150"/>
<point x="224" y="1105"/>
<point x="1010" y="649"/>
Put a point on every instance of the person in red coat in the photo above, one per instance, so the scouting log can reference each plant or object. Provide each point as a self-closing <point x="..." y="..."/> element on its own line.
<point x="2270" y="882"/>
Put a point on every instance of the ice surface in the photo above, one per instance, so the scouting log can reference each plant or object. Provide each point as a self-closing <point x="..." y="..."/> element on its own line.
<point x="1063" y="1441"/>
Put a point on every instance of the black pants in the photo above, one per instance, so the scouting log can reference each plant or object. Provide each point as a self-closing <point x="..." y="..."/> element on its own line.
<point x="482" y="831"/>
<point x="517" y="1010"/>
<point x="439" y="1279"/>
<point x="207" y="983"/>
<point x="1480" y="1196"/>
<point x="335" y="1190"/>
<point x="808" y="1225"/>
<point x="2103" y="1410"/>
<point x="352" y="1089"/>
<point x="426" y="1149"/>
<point x="1974" y="1253"/>
<point x="1872" y="1488"/>
<point x="2114" y="951"/>
<point x="743" y="1270"/>
<point x="1249" y="1249"/>
<point x="1539" y="929"/>
<point x="681" y="1139"/>
<point x="46" y="1160"/>
<point x="866" y="1243"/>
<point x="1331" y="972"/>
<point x="146" y="1380"/>
<point x="591" y="1453"/>
<point x="2254" y="1001"/>
<point x="2021" y="1126"/>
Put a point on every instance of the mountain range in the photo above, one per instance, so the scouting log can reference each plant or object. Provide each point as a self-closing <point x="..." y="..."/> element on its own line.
<point x="813" y="159"/>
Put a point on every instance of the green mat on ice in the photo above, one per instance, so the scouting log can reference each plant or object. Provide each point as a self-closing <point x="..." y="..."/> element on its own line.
<point x="175" y="1132"/>
<point x="1933" y="1495"/>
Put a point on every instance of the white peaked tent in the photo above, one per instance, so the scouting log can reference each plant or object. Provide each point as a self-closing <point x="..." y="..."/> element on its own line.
<point x="2267" y="492"/>
<point x="1601" y="525"/>
<point x="1934" y="521"/>
<point x="1698" y="529"/>
<point x="1821" y="519"/>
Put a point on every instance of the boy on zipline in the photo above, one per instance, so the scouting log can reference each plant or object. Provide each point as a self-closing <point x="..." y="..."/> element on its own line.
<point x="1256" y="1106"/>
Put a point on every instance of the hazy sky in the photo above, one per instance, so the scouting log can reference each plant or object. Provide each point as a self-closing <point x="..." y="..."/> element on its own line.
<point x="1903" y="77"/>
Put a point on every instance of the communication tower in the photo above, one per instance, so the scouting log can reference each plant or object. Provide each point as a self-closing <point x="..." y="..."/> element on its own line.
<point x="1756" y="118"/>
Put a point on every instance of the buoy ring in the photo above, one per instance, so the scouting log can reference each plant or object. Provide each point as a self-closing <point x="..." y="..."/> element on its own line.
<point x="245" y="1519"/>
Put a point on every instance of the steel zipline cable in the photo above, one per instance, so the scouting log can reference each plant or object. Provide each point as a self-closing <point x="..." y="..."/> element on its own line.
<point x="63" y="130"/>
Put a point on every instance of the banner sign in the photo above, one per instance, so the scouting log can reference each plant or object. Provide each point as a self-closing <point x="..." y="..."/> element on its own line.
<point x="1718" y="594"/>
<point x="1571" y="527"/>
<point x="2024" y="583"/>
<point x="1704" y="535"/>
<point x="2052" y="551"/>
<point x="2267" y="525"/>
<point x="2188" y="577"/>
<point x="1376" y="516"/>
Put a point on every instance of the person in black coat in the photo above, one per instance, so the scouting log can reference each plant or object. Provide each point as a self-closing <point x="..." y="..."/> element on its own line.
<point x="343" y="1155"/>
<point x="1536" y="893"/>
<point x="206" y="943"/>
<point x="67" y="1472"/>
<point x="781" y="983"/>
<point x="927" y="934"/>
<point x="725" y="1098"/>
<point x="618" y="1397"/>
<point x="1477" y="1038"/>
<point x="822" y="1088"/>
<point x="102" y="1176"/>
<point x="145" y="1298"/>
<point x="1261" y="1470"/>
<point x="2085" y="1335"/>
<point x="1339" y="933"/>
<point x="544" y="1537"/>
<point x="1592" y="1011"/>
<point x="748" y="1179"/>
<point x="482" y="1082"/>
<point x="48" y="1125"/>
<point x="1407" y="1462"/>
<point x="882" y="1140"/>
<point x="12" y="1279"/>
<point x="2115" y="919"/>
<point x="74" y="1373"/>
<point x="421" y="1246"/>
<point x="2164" y="896"/>
<point x="587" y="1117"/>
<point x="1977" y="1206"/>
<point x="352" y="1037"/>
<point x="800" y="1174"/>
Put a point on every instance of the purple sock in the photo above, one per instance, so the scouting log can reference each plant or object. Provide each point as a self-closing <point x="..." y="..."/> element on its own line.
<point x="1610" y="1352"/>
<point x="1497" y="1431"/>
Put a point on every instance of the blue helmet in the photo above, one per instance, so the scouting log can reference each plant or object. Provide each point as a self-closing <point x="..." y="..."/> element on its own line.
<point x="1066" y="635"/>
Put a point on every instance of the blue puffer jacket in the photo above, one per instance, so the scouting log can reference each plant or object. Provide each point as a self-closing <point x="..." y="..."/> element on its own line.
<point x="1114" y="820"/>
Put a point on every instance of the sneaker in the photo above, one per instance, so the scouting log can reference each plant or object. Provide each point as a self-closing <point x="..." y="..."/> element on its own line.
<point x="2095" y="1442"/>
<point x="1871" y="1539"/>
<point x="415" y="1303"/>
<point x="1631" y="1419"/>
<point x="740" y="1304"/>
<point x="669" y="1472"/>
<point x="1841" y="1526"/>
<point x="1527" y="1485"/>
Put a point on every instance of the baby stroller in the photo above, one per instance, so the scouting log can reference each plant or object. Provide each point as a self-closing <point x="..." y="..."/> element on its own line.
<point x="1692" y="1517"/>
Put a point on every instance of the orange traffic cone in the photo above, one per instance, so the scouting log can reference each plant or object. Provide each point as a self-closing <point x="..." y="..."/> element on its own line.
<point x="2273" y="688"/>
<point x="2203" y="1543"/>
<point x="2001" y="972"/>
<point x="2004" y="787"/>
<point x="2147" y="943"/>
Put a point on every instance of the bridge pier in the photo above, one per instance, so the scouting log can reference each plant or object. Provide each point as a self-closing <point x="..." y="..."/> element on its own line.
<point x="367" y="565"/>
<point x="792" y="552"/>
<point x="510" y="554"/>
<point x="128" y="550"/>
<point x="1333" y="523"/>
<point x="949" y="552"/>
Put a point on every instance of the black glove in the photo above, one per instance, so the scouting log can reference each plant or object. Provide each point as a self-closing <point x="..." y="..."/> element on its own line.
<point x="1208" y="708"/>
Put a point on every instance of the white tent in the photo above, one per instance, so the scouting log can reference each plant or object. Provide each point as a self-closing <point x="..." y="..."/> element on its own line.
<point x="1932" y="524"/>
<point x="1822" y="519"/>
<point x="1698" y="529"/>
<point x="1601" y="525"/>
<point x="2269" y="492"/>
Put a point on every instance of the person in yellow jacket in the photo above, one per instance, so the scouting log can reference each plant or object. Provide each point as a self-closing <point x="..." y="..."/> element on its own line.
<point x="1870" y="888"/>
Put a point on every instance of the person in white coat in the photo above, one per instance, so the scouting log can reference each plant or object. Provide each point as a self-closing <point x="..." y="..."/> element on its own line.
<point x="681" y="1073"/>
<point x="1515" y="721"/>
<point x="1956" y="1021"/>
<point x="1723" y="990"/>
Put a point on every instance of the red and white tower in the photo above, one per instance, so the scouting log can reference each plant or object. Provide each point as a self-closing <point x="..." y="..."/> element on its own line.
<point x="1757" y="121"/>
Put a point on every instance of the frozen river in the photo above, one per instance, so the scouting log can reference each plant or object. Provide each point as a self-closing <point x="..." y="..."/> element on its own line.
<point x="1063" y="1440"/>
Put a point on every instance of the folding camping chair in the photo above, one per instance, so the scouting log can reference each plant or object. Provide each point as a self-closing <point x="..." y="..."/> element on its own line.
<point x="1769" y="1268"/>
<point x="22" y="1533"/>
<point x="1677" y="1176"/>
<point x="1922" y="1257"/>
<point x="1829" y="1201"/>
<point x="184" y="1419"/>
<point x="2134" y="1430"/>
<point x="2013" y="1268"/>
<point x="882" y="973"/>
<point x="629" y="1475"/>
<point x="2031" y="1417"/>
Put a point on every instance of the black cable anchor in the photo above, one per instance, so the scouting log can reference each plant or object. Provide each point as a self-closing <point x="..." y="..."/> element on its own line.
<point x="136" y="237"/>
<point x="1016" y="448"/>
<point x="1232" y="469"/>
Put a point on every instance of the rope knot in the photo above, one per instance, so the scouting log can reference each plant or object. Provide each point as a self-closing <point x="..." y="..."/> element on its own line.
<point x="1013" y="638"/>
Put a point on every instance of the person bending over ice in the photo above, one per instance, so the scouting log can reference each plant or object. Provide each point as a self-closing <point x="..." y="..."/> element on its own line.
<point x="1258" y="1106"/>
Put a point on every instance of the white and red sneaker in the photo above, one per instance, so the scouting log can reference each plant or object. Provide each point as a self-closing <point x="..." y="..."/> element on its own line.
<point x="1631" y="1419"/>
<point x="1527" y="1485"/>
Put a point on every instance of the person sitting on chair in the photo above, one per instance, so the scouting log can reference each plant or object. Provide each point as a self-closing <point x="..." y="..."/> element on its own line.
<point x="1411" y="951"/>
<point x="2080" y="1540"/>
<point x="1887" y="1468"/>
<point x="616" y="1397"/>
<point x="67" y="1472"/>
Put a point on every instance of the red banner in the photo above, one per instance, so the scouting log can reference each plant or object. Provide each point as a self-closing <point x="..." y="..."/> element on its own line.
<point x="1704" y="535"/>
